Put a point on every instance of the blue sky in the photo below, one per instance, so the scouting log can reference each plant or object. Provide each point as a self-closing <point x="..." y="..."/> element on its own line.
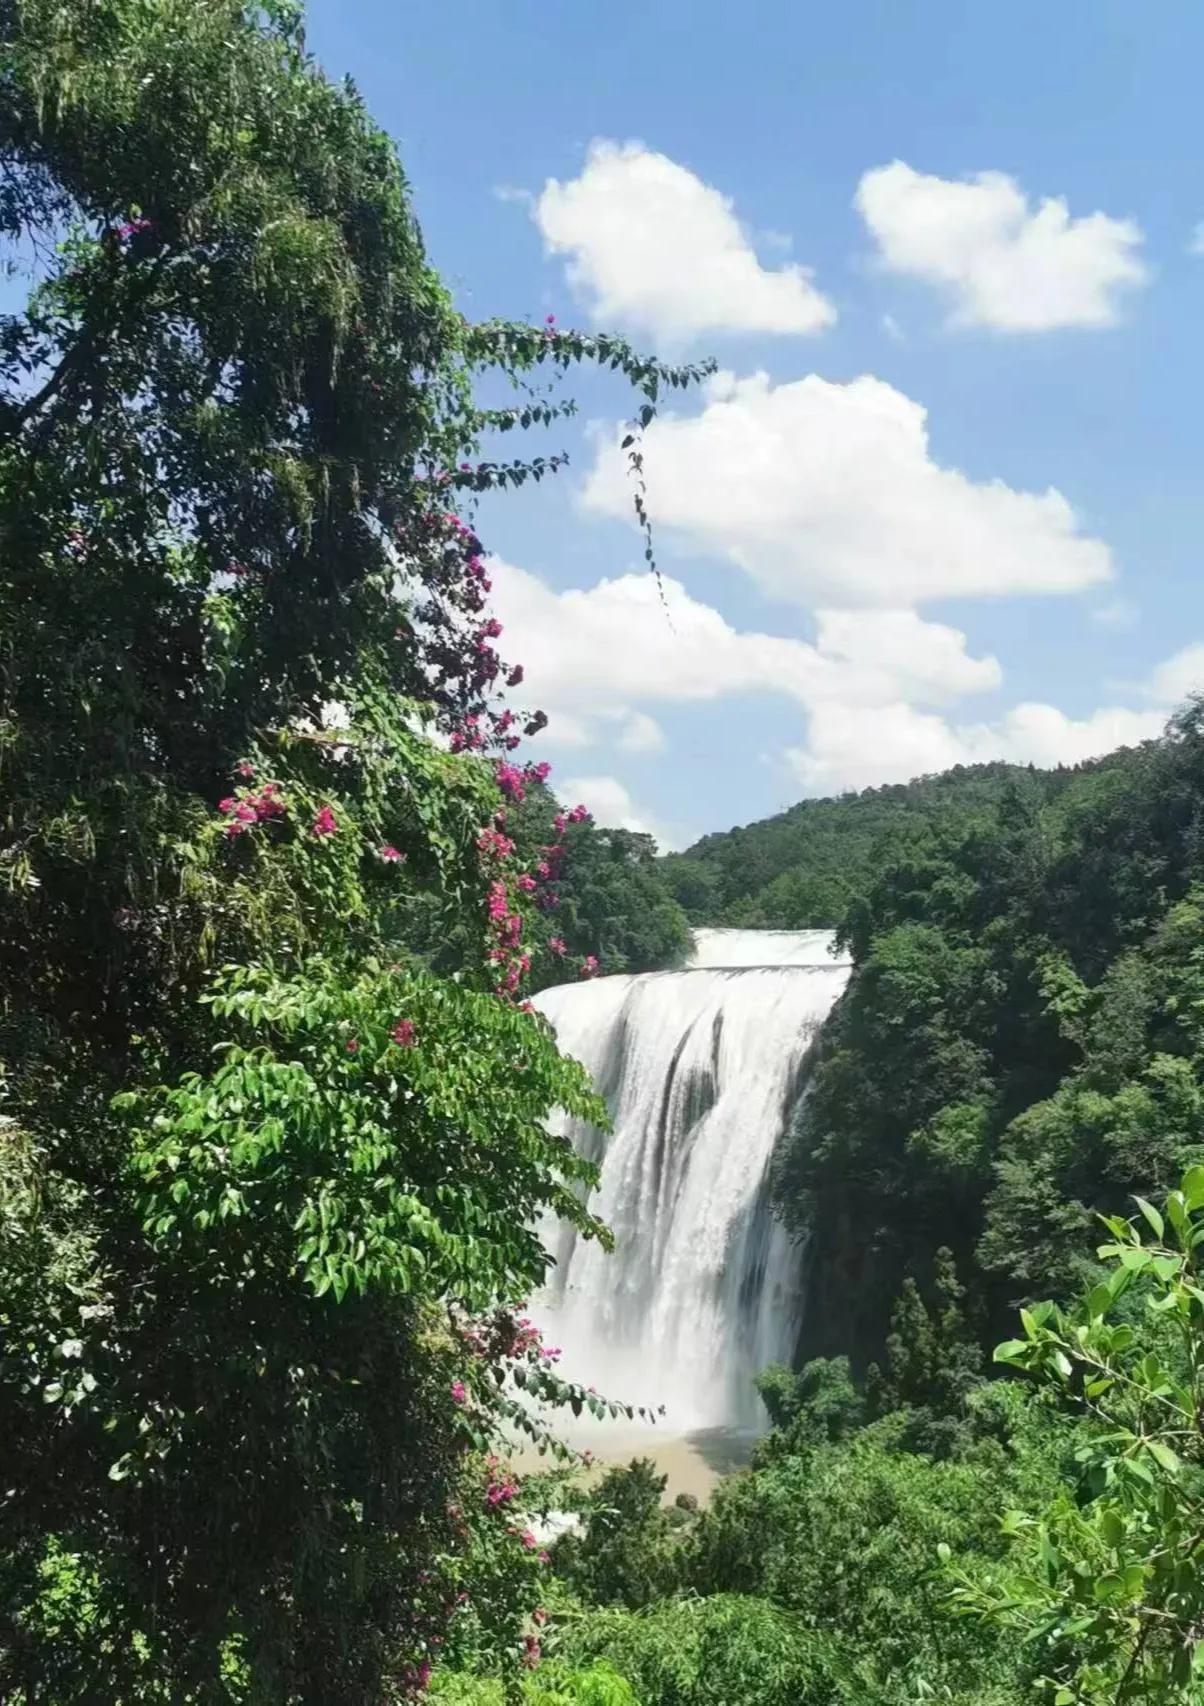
<point x="946" y="501"/>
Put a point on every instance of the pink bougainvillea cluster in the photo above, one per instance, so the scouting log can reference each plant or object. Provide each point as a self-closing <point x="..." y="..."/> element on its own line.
<point x="454" y="638"/>
<point x="250" y="806"/>
<point x="487" y="1511"/>
<point x="504" y="918"/>
<point x="464" y="670"/>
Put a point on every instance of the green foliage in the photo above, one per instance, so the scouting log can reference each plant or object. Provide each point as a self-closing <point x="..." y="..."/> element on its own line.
<point x="554" y="1685"/>
<point x="845" y="1537"/>
<point x="932" y="1362"/>
<point x="273" y="1144"/>
<point x="613" y="899"/>
<point x="818" y="1403"/>
<point x="1020" y="1046"/>
<point x="724" y="1650"/>
<point x="323" y="1148"/>
<point x="1108" y="1587"/>
<point x="628" y="1553"/>
<point x="804" y="868"/>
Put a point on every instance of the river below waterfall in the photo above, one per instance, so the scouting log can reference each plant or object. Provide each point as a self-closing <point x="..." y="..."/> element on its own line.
<point x="703" y="1069"/>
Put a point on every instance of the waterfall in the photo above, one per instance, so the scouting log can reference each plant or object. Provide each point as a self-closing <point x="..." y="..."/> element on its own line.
<point x="702" y="1070"/>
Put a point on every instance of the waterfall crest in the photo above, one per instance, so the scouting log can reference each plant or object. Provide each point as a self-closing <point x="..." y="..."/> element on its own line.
<point x="702" y="1070"/>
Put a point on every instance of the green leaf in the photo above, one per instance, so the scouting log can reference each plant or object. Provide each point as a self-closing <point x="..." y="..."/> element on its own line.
<point x="1011" y="1350"/>
<point x="1163" y="1454"/>
<point x="1112" y="1528"/>
<point x="1152" y="1215"/>
<point x="1133" y="1577"/>
<point x="1192" y="1186"/>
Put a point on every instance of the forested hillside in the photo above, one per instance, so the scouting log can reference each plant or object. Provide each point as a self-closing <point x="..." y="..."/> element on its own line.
<point x="1020" y="1045"/>
<point x="801" y="869"/>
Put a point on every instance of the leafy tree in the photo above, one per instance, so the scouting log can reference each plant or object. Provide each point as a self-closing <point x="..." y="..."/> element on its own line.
<point x="845" y="1537"/>
<point x="554" y="1685"/>
<point x="804" y="868"/>
<point x="724" y="1650"/>
<point x="275" y="1117"/>
<point x="627" y="1553"/>
<point x="1108" y="1586"/>
<point x="607" y="896"/>
<point x="932" y="1362"/>
<point x="818" y="1403"/>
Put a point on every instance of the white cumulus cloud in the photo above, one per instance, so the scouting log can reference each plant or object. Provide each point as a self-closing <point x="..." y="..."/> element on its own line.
<point x="829" y="494"/>
<point x="612" y="806"/>
<point x="594" y="659"/>
<point x="861" y="747"/>
<point x="649" y="245"/>
<point x="872" y="693"/>
<point x="1002" y="262"/>
<point x="1177" y="676"/>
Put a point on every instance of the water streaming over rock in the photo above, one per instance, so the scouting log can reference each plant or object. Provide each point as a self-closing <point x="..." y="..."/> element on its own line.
<point x="702" y="1069"/>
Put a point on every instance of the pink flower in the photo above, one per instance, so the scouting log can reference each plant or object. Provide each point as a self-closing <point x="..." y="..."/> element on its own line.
<point x="529" y="1540"/>
<point x="245" y="769"/>
<point x="403" y="1033"/>
<point x="353" y="1046"/>
<point x="526" y="883"/>
<point x="228" y="805"/>
<point x="539" y="772"/>
<point x="510" y="780"/>
<point x="459" y="1392"/>
<point x="551" y="320"/>
<point x="531" y="1652"/>
<point x="579" y="814"/>
<point x="558" y="823"/>
<point x="556" y="944"/>
<point x="268" y="804"/>
<point x="390" y="855"/>
<point x="324" y="823"/>
<point x="495" y="842"/>
<point x="543" y="869"/>
<point x="539" y="1614"/>
<point x="589" y="966"/>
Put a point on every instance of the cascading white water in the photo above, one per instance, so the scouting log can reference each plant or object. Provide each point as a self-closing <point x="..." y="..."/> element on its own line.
<point x="702" y="1071"/>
